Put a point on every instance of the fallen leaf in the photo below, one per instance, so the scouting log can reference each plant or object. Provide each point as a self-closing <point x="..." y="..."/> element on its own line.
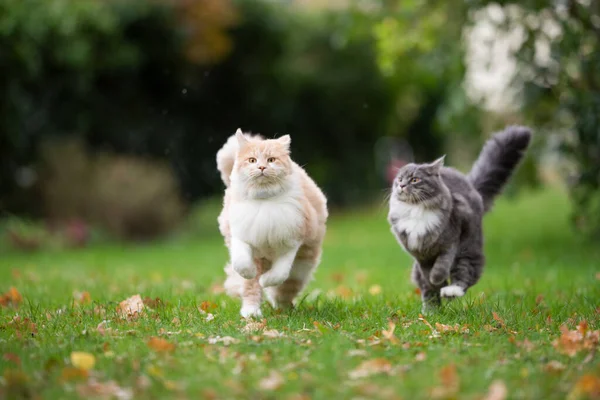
<point x="217" y="288"/>
<point x="83" y="360"/>
<point x="434" y="333"/>
<point x="498" y="319"/>
<point x="131" y="308"/>
<point x="389" y="333"/>
<point x="70" y="374"/>
<point x="11" y="298"/>
<point x="598" y="275"/>
<point x="253" y="326"/>
<point x="417" y="291"/>
<point x="375" y="290"/>
<point x="109" y="390"/>
<point x="337" y="277"/>
<point x="344" y="291"/>
<point x="451" y="329"/>
<point x="497" y="391"/>
<point x="82" y="297"/>
<point x="371" y="367"/>
<point x="160" y="345"/>
<point x="450" y="383"/>
<point x="588" y="386"/>
<point x="102" y="328"/>
<point x="554" y="367"/>
<point x="421" y="356"/>
<point x="206" y="306"/>
<point x="12" y="358"/>
<point x="272" y="333"/>
<point x="152" y="302"/>
<point x="272" y="382"/>
<point x="571" y="342"/>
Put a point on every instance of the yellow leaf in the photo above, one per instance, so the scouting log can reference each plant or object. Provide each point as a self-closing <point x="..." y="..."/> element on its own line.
<point x="375" y="290"/>
<point x="83" y="360"/>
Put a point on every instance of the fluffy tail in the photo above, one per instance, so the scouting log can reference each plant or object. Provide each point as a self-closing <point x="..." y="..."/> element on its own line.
<point x="226" y="156"/>
<point x="497" y="161"/>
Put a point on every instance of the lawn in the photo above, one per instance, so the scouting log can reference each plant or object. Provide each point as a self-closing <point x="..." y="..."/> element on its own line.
<point x="528" y="330"/>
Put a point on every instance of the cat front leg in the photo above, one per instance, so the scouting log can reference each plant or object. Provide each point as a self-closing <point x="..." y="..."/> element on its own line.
<point x="440" y="273"/>
<point x="430" y="295"/>
<point x="280" y="270"/>
<point x="241" y="258"/>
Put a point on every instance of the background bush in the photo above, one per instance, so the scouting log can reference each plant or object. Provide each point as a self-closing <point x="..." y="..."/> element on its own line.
<point x="170" y="81"/>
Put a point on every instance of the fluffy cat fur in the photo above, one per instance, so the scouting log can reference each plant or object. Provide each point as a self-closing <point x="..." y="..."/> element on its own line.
<point x="273" y="221"/>
<point x="436" y="215"/>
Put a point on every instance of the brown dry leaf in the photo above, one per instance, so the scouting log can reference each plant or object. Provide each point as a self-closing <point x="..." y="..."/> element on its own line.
<point x="253" y="326"/>
<point x="82" y="297"/>
<point x="343" y="291"/>
<point x="417" y="291"/>
<point x="217" y="288"/>
<point x="272" y="382"/>
<point x="450" y="383"/>
<point x="102" y="328"/>
<point x="12" y="358"/>
<point x="272" y="333"/>
<point x="83" y="360"/>
<point x="497" y="391"/>
<point x="389" y="333"/>
<point x="421" y="356"/>
<point x="337" y="277"/>
<point x="598" y="275"/>
<point x="434" y="333"/>
<point x="588" y="386"/>
<point x="23" y="326"/>
<point x="554" y="366"/>
<point x="451" y="329"/>
<point x="131" y="308"/>
<point x="206" y="306"/>
<point x="571" y="342"/>
<point x="498" y="319"/>
<point x="525" y="345"/>
<point x="109" y="390"/>
<point x="11" y="298"/>
<point x="371" y="367"/>
<point x="160" y="345"/>
<point x="375" y="290"/>
<point x="70" y="374"/>
<point x="153" y="302"/>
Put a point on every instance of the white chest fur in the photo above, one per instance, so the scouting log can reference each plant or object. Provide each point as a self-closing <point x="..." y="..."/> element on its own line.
<point x="267" y="224"/>
<point x="414" y="221"/>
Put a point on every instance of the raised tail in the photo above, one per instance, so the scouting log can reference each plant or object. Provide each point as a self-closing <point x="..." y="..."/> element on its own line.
<point x="226" y="156"/>
<point x="497" y="161"/>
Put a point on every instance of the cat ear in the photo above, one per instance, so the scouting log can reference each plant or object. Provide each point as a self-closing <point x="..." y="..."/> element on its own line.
<point x="285" y="140"/>
<point x="242" y="140"/>
<point x="437" y="164"/>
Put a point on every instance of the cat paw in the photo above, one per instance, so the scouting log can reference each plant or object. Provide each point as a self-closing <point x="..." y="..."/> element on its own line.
<point x="251" y="312"/>
<point x="452" y="291"/>
<point x="273" y="277"/>
<point x="438" y="277"/>
<point x="244" y="267"/>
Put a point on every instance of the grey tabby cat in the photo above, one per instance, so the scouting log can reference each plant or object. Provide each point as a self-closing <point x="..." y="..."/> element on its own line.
<point x="436" y="215"/>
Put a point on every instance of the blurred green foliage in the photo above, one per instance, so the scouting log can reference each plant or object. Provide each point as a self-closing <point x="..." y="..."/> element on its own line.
<point x="559" y="60"/>
<point x="172" y="80"/>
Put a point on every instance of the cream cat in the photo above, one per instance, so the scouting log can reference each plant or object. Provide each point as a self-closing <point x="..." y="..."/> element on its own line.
<point x="273" y="221"/>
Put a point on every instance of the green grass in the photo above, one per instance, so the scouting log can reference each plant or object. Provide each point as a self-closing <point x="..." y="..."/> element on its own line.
<point x="539" y="275"/>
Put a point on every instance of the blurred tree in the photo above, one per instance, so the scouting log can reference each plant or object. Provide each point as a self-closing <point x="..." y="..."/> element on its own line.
<point x="558" y="62"/>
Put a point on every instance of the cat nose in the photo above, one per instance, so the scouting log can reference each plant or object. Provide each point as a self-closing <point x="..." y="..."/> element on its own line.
<point x="262" y="168"/>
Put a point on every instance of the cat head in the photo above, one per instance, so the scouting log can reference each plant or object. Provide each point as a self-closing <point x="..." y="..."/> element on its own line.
<point x="418" y="183"/>
<point x="263" y="162"/>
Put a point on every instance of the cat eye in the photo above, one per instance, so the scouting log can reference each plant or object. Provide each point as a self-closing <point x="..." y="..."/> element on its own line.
<point x="415" y="180"/>
<point x="271" y="159"/>
<point x="252" y="160"/>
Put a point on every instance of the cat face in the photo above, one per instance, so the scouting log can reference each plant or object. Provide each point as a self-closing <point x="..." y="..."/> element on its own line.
<point x="416" y="183"/>
<point x="263" y="162"/>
